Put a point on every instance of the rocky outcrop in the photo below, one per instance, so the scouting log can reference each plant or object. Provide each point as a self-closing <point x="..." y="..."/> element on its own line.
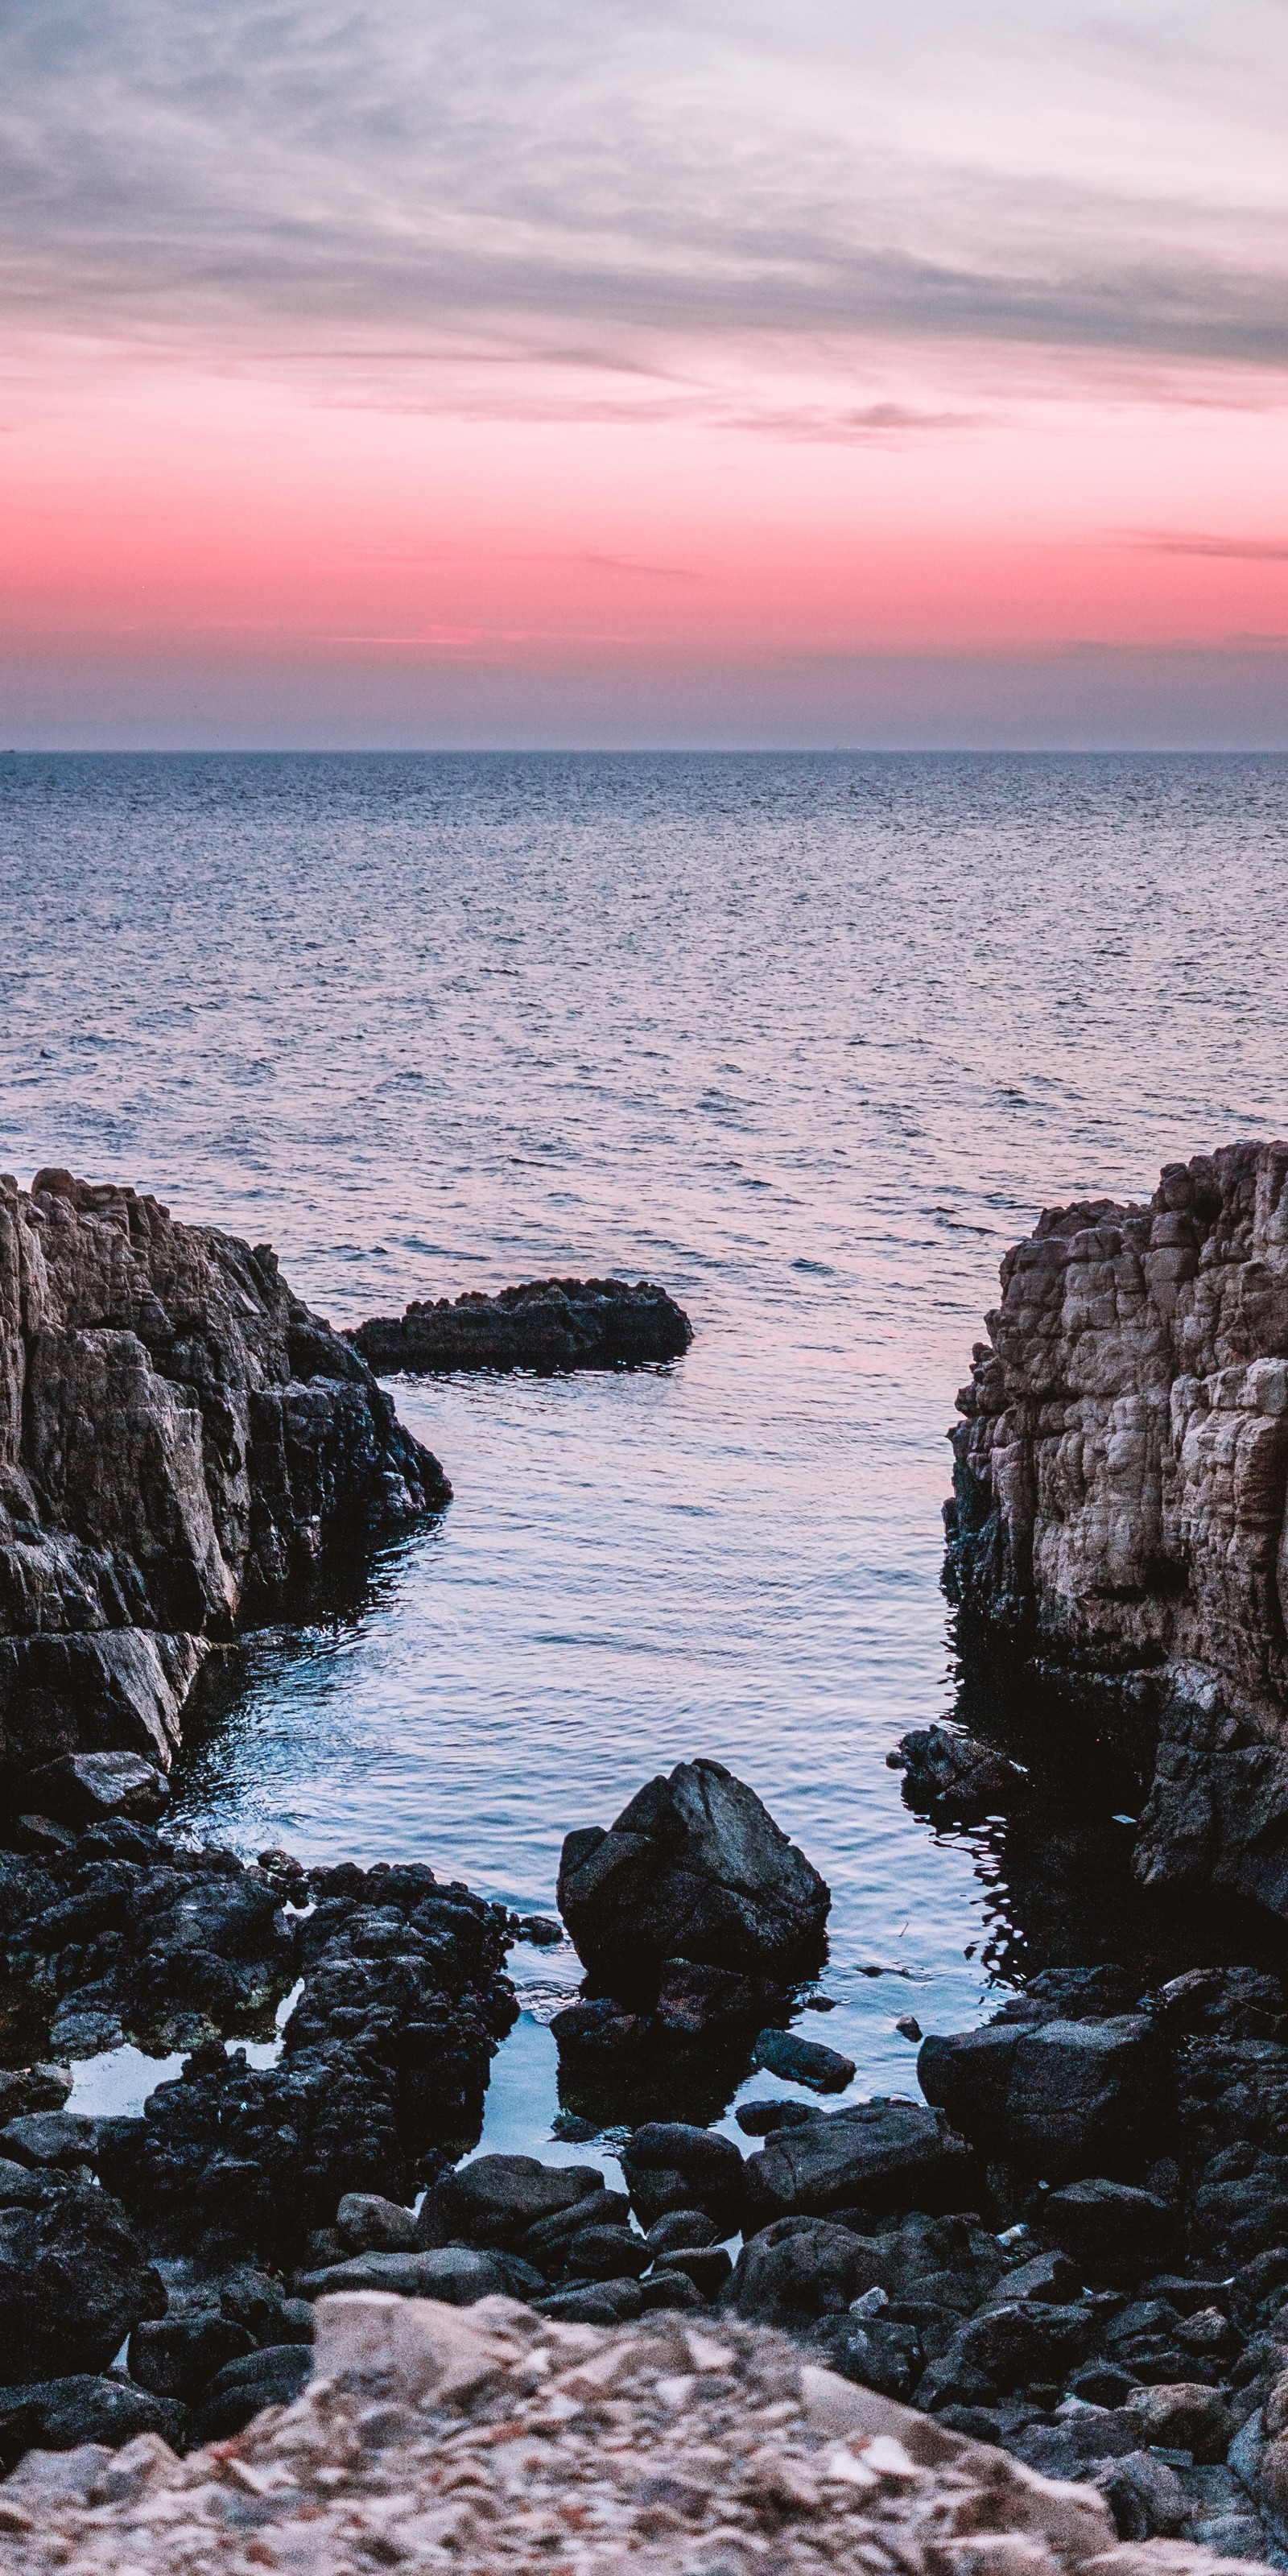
<point x="181" y="1441"/>
<point x="545" y="1325"/>
<point x="1118" y="1530"/>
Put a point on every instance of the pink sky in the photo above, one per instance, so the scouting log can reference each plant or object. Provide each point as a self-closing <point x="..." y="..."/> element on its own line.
<point x="904" y="389"/>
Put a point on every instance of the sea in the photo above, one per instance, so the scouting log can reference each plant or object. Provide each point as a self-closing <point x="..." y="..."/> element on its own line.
<point x="810" y="1039"/>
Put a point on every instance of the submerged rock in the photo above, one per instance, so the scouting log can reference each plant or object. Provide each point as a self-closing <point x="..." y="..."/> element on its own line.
<point x="952" y="1774"/>
<point x="694" y="1869"/>
<point x="545" y="1325"/>
<point x="183" y="1439"/>
<point x="1120" y="1483"/>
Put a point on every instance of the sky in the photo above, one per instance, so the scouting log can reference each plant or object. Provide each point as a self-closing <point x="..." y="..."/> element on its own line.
<point x="782" y="372"/>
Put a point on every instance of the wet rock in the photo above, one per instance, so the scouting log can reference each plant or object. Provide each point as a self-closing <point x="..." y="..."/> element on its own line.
<point x="681" y="2227"/>
<point x="541" y="1929"/>
<point x="456" y="2274"/>
<point x="50" y="2138"/>
<point x="73" y="2283"/>
<point x="241" y="2390"/>
<point x="546" y="2244"/>
<point x="764" y="2119"/>
<point x="245" y="1438"/>
<point x="951" y="1774"/>
<point x="887" y="2155"/>
<point x="708" y="2266"/>
<point x="662" y="2288"/>
<point x="496" y="2200"/>
<point x="803" y="2061"/>
<point x="668" y="2165"/>
<point x="598" y="2303"/>
<point x="967" y="2075"/>
<point x="62" y="2414"/>
<point x="606" y="2254"/>
<point x="693" y="1868"/>
<point x="712" y="2004"/>
<point x="178" y="2356"/>
<point x="83" y="1788"/>
<point x="545" y="1325"/>
<point x="1112" y="2231"/>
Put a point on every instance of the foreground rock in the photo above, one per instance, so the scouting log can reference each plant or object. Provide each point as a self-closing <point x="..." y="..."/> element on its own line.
<point x="1120" y="1482"/>
<point x="696" y="1869"/>
<point x="444" y="2439"/>
<point x="546" y="1325"/>
<point x="180" y="1441"/>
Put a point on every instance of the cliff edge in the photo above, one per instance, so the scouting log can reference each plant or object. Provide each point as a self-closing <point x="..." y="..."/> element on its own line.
<point x="1118" y="1525"/>
<point x="180" y="1441"/>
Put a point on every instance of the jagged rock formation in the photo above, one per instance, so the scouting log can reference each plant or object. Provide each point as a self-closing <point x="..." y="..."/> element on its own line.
<point x="545" y="1325"/>
<point x="1119" y="1522"/>
<point x="180" y="1440"/>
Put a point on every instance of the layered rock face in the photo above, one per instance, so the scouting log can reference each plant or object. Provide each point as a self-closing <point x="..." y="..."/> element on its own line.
<point x="545" y="1325"/>
<point x="1119" y="1517"/>
<point x="180" y="1440"/>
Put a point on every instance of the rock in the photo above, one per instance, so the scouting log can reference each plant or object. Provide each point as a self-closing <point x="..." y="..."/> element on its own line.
<point x="1046" y="2276"/>
<point x="1112" y="2231"/>
<point x="371" y="2225"/>
<point x="605" y="2254"/>
<point x="1183" y="2417"/>
<point x="693" y="1868"/>
<point x="662" y="2288"/>
<point x="62" y="2414"/>
<point x="803" y="2061"/>
<point x="668" y="2166"/>
<point x="32" y="2088"/>
<point x="186" y="1439"/>
<point x="73" y="2284"/>
<point x="455" y="2274"/>
<point x="763" y="2119"/>
<point x="708" y="2266"/>
<point x="50" y="2138"/>
<point x="244" y="2387"/>
<point x="20" y="2184"/>
<point x="541" y="1929"/>
<point x="1010" y="2346"/>
<point x="800" y="2268"/>
<point x="681" y="2227"/>
<point x="968" y="2076"/>
<point x="596" y="2303"/>
<point x="495" y="2200"/>
<point x="545" y="1325"/>
<point x="1120" y="1489"/>
<point x="886" y="2155"/>
<point x="712" y="2004"/>
<point x="1085" y="2095"/>
<point x="85" y="1787"/>
<point x="177" y="2356"/>
<point x="546" y="2244"/>
<point x="950" y="1774"/>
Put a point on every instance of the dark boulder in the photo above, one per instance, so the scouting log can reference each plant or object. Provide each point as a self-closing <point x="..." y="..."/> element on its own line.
<point x="967" y="2075"/>
<point x="693" y="1868"/>
<point x="372" y="2225"/>
<point x="82" y="1788"/>
<point x="177" y="2356"/>
<point x="1110" y="2230"/>
<point x="545" y="1325"/>
<point x="1087" y="2096"/>
<point x="495" y="2200"/>
<point x="62" y="2414"/>
<point x="601" y="2303"/>
<point x="708" y="2266"/>
<point x="878" y="2352"/>
<point x="667" y="2166"/>
<point x="802" y="2061"/>
<point x="951" y="1774"/>
<point x="883" y="2155"/>
<point x="713" y="2004"/>
<point x="455" y="2274"/>
<point x="800" y="2268"/>
<point x="74" y="2282"/>
<point x="243" y="2388"/>
<point x="763" y="2119"/>
<point x="545" y="2243"/>
<point x="1012" y="2346"/>
<point x="50" y="2138"/>
<point x="605" y="2254"/>
<point x="682" y="2227"/>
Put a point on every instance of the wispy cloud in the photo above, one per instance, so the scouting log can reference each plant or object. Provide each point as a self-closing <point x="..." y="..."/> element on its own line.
<point x="1224" y="549"/>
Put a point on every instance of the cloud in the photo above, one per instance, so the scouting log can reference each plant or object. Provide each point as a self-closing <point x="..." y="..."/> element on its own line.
<point x="1225" y="549"/>
<point x="584" y="175"/>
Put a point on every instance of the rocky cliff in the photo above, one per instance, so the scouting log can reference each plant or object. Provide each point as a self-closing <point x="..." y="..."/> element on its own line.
<point x="1118" y="1526"/>
<point x="180" y="1441"/>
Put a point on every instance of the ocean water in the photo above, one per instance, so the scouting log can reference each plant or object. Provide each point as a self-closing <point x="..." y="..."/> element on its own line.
<point x="809" y="1039"/>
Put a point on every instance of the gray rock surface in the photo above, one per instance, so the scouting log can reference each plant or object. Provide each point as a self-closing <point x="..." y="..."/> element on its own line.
<point x="180" y="1441"/>
<point x="1119" y="1523"/>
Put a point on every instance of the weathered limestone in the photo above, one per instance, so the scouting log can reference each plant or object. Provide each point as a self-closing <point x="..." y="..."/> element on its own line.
<point x="1119" y="1522"/>
<point x="180" y="1440"/>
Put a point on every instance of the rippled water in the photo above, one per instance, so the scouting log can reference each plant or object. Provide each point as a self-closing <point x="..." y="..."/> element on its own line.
<point x="810" y="1039"/>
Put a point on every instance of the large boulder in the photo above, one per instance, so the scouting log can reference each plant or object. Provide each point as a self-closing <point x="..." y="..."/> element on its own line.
<point x="870" y="2156"/>
<point x="1086" y="2097"/>
<point x="800" y="2268"/>
<point x="669" y="2165"/>
<point x="544" y="1325"/>
<point x="693" y="1868"/>
<point x="74" y="2282"/>
<point x="495" y="2200"/>
<point x="180" y="1438"/>
<point x="967" y="2075"/>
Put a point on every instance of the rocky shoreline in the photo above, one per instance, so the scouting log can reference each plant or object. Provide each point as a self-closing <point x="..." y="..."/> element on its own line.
<point x="546" y="1325"/>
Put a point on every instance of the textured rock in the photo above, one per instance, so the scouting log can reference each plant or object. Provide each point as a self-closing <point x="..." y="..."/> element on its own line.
<point x="694" y="1868"/>
<point x="545" y="1325"/>
<point x="883" y="2155"/>
<point x="180" y="1440"/>
<point x="952" y="1774"/>
<point x="74" y="2281"/>
<point x="1120" y="1485"/>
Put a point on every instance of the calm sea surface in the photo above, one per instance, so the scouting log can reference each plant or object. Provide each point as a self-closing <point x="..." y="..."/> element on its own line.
<point x="809" y="1039"/>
